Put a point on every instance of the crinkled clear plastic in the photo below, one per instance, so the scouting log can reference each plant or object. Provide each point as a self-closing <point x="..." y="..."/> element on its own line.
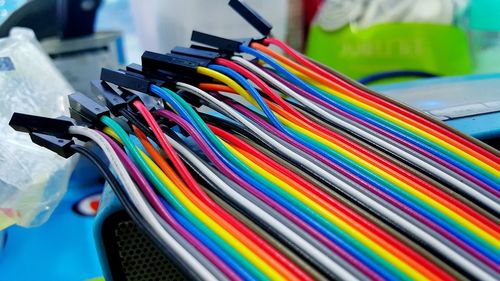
<point x="32" y="179"/>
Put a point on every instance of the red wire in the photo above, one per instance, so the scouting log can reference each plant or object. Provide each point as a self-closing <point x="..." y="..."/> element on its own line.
<point x="362" y="152"/>
<point x="409" y="178"/>
<point x="426" y="123"/>
<point x="334" y="206"/>
<point x="283" y="211"/>
<point x="256" y="241"/>
<point x="261" y="84"/>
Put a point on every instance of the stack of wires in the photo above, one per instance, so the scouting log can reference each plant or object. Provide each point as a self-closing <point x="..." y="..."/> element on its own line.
<point x="278" y="168"/>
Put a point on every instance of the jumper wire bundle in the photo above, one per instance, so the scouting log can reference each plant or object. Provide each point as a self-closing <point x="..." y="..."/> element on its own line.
<point x="242" y="163"/>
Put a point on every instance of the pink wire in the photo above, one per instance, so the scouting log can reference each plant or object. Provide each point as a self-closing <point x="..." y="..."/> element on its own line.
<point x="163" y="212"/>
<point x="283" y="211"/>
<point x="385" y="133"/>
<point x="248" y="113"/>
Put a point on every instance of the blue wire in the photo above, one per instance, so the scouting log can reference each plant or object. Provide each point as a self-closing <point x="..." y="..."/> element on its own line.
<point x="310" y="143"/>
<point x="238" y="269"/>
<point x="409" y="200"/>
<point x="207" y="230"/>
<point x="378" y="122"/>
<point x="412" y="138"/>
<point x="289" y="76"/>
<point x="374" y="265"/>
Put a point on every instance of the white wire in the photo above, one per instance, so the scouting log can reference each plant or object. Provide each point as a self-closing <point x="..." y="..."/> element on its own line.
<point x="139" y="202"/>
<point x="470" y="267"/>
<point x="396" y="150"/>
<point x="270" y="220"/>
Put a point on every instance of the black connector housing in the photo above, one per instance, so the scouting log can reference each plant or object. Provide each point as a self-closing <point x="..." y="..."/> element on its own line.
<point x="251" y="16"/>
<point x="223" y="44"/>
<point x="85" y="109"/>
<point x="197" y="53"/>
<point x="164" y="77"/>
<point x="101" y="92"/>
<point x="172" y="62"/>
<point x="58" y="145"/>
<point x="30" y="123"/>
<point x="126" y="80"/>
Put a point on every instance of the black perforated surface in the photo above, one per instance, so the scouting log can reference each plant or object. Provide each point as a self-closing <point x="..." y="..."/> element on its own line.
<point x="133" y="257"/>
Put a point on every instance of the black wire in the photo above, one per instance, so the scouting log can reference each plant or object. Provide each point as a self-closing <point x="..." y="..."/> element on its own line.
<point x="201" y="177"/>
<point x="130" y="207"/>
<point x="136" y="121"/>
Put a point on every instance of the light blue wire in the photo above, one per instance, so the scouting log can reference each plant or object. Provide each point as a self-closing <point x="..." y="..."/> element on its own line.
<point x="168" y="96"/>
<point x="238" y="269"/>
<point x="351" y="166"/>
<point x="293" y="78"/>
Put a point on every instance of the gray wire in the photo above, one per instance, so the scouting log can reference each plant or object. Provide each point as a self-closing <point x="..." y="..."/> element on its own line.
<point x="135" y="196"/>
<point x="320" y="257"/>
<point x="401" y="221"/>
<point x="403" y="148"/>
<point x="190" y="248"/>
<point x="396" y="210"/>
<point x="438" y="173"/>
<point x="212" y="174"/>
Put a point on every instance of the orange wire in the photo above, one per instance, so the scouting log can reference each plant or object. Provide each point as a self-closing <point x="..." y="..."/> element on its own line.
<point x="216" y="87"/>
<point x="165" y="167"/>
<point x="431" y="191"/>
<point x="373" y="104"/>
<point x="333" y="206"/>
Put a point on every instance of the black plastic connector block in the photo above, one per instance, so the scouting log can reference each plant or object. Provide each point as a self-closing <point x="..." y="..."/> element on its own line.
<point x="171" y="62"/>
<point x="199" y="61"/>
<point x="30" y="123"/>
<point x="228" y="45"/>
<point x="85" y="109"/>
<point x="222" y="53"/>
<point x="58" y="145"/>
<point x="164" y="77"/>
<point x="197" y="53"/>
<point x="101" y="92"/>
<point x="125" y="80"/>
<point x="251" y="16"/>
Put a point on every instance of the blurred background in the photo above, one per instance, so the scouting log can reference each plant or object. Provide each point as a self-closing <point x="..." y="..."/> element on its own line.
<point x="369" y="40"/>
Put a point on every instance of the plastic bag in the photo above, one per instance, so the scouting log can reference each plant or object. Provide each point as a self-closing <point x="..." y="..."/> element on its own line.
<point x="32" y="179"/>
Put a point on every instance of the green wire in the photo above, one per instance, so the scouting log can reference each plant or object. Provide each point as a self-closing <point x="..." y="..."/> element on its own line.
<point x="359" y="168"/>
<point x="214" y="139"/>
<point x="164" y="190"/>
<point x="411" y="135"/>
<point x="394" y="187"/>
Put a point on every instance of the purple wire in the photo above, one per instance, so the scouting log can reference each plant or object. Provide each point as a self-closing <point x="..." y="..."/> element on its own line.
<point x="384" y="133"/>
<point x="283" y="211"/>
<point x="254" y="117"/>
<point x="163" y="212"/>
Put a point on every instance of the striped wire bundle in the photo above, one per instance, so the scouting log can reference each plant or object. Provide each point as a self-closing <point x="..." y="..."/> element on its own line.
<point x="286" y="170"/>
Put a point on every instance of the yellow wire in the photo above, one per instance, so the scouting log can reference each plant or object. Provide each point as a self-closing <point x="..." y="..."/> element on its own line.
<point x="410" y="271"/>
<point x="430" y="201"/>
<point x="228" y="81"/>
<point x="214" y="226"/>
<point x="492" y="170"/>
<point x="459" y="219"/>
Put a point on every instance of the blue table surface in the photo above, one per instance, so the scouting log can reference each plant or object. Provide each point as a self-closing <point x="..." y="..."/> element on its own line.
<point x="63" y="248"/>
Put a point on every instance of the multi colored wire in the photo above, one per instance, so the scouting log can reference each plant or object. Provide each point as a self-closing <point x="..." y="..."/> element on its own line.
<point x="351" y="184"/>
